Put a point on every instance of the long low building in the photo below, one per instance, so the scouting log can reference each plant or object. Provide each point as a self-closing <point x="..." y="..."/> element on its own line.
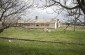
<point x="39" y="23"/>
<point x="34" y="23"/>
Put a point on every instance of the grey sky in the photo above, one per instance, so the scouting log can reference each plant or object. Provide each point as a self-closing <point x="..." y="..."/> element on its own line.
<point x="46" y="13"/>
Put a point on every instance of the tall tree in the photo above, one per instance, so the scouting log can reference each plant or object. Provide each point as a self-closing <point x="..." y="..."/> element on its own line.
<point x="77" y="8"/>
<point x="77" y="4"/>
<point x="11" y="7"/>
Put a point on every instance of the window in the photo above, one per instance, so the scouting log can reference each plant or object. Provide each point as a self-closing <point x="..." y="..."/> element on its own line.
<point x="37" y="25"/>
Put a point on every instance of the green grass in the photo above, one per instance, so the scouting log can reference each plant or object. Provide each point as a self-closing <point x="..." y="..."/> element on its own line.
<point x="39" y="48"/>
<point x="18" y="47"/>
<point x="56" y="35"/>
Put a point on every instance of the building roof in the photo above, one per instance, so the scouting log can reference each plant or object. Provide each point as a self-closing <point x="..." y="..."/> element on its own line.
<point x="37" y="21"/>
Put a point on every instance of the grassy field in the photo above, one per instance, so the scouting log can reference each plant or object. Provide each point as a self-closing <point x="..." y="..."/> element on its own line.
<point x="55" y="35"/>
<point x="38" y="48"/>
<point x="18" y="47"/>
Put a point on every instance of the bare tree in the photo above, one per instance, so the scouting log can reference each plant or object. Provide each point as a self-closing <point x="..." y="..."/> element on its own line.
<point x="76" y="9"/>
<point x="77" y="4"/>
<point x="11" y="7"/>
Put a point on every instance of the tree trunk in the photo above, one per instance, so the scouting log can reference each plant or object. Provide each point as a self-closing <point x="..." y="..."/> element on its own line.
<point x="75" y="23"/>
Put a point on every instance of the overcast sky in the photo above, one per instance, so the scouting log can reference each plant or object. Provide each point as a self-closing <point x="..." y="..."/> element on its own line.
<point x="47" y="13"/>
